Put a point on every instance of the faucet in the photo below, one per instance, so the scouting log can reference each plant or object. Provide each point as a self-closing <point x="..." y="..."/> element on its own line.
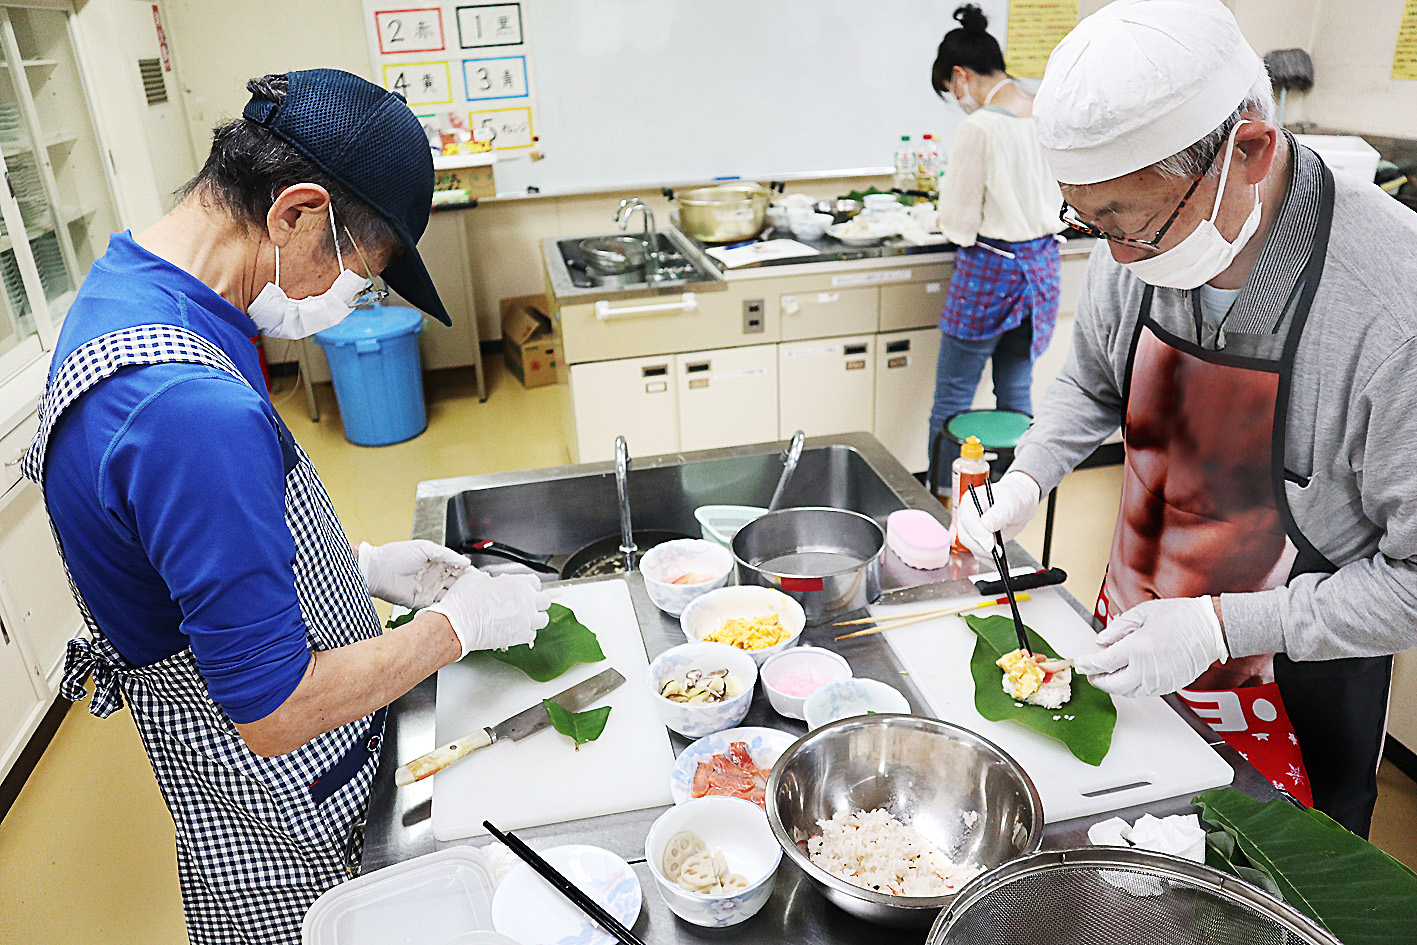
<point x="789" y="466"/>
<point x="622" y="490"/>
<point x="627" y="209"/>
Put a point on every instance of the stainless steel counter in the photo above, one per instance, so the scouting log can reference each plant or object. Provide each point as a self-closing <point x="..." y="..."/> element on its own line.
<point x="400" y="821"/>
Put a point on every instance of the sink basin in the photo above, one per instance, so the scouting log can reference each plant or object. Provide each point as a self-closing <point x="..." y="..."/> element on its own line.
<point x="680" y="265"/>
<point x="562" y="515"/>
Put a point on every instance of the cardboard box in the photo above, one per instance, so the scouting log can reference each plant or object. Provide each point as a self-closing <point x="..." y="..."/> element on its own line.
<point x="461" y="179"/>
<point x="528" y="340"/>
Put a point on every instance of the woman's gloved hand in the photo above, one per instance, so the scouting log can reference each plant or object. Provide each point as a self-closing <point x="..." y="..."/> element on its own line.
<point x="410" y="573"/>
<point x="1157" y="647"/>
<point x="493" y="613"/>
<point x="1016" y="498"/>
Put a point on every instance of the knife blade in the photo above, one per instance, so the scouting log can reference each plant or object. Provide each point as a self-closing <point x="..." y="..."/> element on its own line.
<point x="962" y="587"/>
<point x="529" y="721"/>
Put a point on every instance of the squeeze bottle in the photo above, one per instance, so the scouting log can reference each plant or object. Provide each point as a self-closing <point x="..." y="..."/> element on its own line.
<point x="971" y="469"/>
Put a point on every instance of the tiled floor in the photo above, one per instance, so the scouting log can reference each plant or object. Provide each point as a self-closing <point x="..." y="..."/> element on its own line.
<point x="86" y="853"/>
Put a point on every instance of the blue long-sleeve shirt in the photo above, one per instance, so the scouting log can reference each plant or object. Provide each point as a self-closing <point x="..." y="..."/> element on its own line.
<point x="166" y="483"/>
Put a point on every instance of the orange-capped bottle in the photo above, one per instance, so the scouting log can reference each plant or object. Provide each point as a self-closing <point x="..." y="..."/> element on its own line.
<point x="971" y="469"/>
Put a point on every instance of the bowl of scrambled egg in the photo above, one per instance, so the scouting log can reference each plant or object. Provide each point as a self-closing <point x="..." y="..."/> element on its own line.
<point x="757" y="620"/>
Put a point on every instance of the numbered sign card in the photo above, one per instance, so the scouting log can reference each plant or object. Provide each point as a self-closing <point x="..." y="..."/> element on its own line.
<point x="459" y="66"/>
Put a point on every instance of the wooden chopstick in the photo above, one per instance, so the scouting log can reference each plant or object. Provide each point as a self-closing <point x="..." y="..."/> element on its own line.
<point x="905" y="620"/>
<point x="564" y="886"/>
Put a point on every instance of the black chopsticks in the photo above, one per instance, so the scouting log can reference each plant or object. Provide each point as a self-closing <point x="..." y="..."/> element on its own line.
<point x="564" y="886"/>
<point x="1001" y="561"/>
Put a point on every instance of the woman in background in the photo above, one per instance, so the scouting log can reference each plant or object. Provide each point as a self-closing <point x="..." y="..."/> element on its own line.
<point x="999" y="204"/>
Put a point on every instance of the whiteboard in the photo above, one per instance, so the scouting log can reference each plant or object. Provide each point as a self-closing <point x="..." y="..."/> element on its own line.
<point x="636" y="93"/>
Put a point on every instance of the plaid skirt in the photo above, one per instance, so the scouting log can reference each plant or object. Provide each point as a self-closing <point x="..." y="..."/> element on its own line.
<point x="991" y="294"/>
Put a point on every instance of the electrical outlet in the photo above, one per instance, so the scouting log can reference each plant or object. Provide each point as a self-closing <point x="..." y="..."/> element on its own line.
<point x="753" y="317"/>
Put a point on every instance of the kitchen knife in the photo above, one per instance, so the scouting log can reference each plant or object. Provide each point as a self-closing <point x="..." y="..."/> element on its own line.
<point x="524" y="723"/>
<point x="960" y="587"/>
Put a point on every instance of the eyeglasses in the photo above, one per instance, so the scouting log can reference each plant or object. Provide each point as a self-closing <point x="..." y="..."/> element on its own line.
<point x="1069" y="215"/>
<point x="374" y="294"/>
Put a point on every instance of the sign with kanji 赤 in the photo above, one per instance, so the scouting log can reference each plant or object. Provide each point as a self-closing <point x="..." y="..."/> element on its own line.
<point x="408" y="31"/>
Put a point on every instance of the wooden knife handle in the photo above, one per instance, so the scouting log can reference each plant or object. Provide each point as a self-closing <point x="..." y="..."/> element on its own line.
<point x="439" y="758"/>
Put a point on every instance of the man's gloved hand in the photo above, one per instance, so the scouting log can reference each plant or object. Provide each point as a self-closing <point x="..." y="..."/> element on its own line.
<point x="1157" y="647"/>
<point x="410" y="573"/>
<point x="1016" y="498"/>
<point x="493" y="613"/>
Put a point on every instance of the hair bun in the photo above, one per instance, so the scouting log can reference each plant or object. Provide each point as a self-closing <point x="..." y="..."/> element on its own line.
<point x="972" y="19"/>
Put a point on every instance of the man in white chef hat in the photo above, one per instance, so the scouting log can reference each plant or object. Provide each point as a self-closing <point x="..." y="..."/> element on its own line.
<point x="1250" y="320"/>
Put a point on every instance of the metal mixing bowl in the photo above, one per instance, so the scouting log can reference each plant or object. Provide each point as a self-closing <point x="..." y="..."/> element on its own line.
<point x="828" y="560"/>
<point x="929" y="774"/>
<point x="614" y="254"/>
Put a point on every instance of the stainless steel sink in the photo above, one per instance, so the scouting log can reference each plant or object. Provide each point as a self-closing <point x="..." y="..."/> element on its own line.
<point x="682" y="265"/>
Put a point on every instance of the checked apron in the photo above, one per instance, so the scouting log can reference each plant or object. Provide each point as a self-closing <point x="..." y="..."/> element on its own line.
<point x="258" y="839"/>
<point x="1204" y="512"/>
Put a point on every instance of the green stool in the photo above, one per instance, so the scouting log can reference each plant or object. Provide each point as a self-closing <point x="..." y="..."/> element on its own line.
<point x="999" y="432"/>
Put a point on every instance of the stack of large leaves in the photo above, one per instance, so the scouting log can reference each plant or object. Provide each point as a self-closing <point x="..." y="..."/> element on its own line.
<point x="1356" y="891"/>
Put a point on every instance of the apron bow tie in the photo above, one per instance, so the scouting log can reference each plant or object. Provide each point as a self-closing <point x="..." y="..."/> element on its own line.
<point x="82" y="660"/>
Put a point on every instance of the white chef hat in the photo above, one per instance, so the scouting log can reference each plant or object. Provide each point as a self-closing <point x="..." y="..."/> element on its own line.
<point x="1138" y="81"/>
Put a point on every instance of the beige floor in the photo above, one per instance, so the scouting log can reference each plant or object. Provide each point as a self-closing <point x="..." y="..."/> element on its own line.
<point x="86" y="852"/>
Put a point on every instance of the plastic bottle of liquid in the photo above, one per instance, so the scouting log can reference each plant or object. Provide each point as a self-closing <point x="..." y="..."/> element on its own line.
<point x="971" y="469"/>
<point x="904" y="165"/>
<point x="927" y="166"/>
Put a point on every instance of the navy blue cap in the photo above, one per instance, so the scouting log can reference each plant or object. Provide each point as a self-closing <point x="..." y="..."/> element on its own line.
<point x="366" y="138"/>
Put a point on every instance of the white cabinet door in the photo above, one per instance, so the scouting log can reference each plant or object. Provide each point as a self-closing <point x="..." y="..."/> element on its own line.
<point x="19" y="700"/>
<point x="727" y="397"/>
<point x="34" y="593"/>
<point x="905" y="391"/>
<point x="827" y="387"/>
<point x="635" y="398"/>
<point x="820" y="313"/>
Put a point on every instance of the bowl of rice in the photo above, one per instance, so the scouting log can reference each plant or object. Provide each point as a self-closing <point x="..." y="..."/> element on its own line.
<point x="891" y="815"/>
<point x="757" y="620"/>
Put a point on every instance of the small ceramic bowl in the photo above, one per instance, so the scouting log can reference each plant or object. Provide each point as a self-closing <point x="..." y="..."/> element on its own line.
<point x="848" y="697"/>
<point x="765" y="746"/>
<point x="527" y="908"/>
<point x="709" y="612"/>
<point x="681" y="558"/>
<point x="696" y="721"/>
<point x="740" y="830"/>
<point x="791" y="676"/>
<point x="811" y="226"/>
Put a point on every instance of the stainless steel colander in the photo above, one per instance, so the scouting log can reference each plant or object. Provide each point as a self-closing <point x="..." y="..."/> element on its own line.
<point x="1118" y="896"/>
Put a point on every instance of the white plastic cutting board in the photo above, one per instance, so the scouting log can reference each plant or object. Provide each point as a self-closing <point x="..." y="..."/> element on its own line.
<point x="1155" y="754"/>
<point x="542" y="779"/>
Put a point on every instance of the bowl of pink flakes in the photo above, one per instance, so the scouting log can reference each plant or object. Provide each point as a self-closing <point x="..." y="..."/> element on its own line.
<point x="794" y="674"/>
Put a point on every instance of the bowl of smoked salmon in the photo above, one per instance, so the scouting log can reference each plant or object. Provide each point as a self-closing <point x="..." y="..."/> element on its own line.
<point x="678" y="572"/>
<point x="702" y="688"/>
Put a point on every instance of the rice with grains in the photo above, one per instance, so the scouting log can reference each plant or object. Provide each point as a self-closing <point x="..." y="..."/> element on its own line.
<point x="874" y="850"/>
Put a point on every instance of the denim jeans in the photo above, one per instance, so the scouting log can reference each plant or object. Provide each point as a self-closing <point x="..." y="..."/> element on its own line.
<point x="961" y="365"/>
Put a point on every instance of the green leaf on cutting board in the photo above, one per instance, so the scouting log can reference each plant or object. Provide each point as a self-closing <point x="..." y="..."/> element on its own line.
<point x="401" y="619"/>
<point x="581" y="727"/>
<point x="1084" y="723"/>
<point x="562" y="644"/>
<point x="1356" y="891"/>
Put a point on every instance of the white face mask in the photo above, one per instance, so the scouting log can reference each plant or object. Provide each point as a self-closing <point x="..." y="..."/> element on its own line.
<point x="279" y="316"/>
<point x="967" y="102"/>
<point x="1204" y="254"/>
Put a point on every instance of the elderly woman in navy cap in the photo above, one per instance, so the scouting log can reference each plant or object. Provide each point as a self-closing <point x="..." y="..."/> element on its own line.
<point x="225" y="605"/>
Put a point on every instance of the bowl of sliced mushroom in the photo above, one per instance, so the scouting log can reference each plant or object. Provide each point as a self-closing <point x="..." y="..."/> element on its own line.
<point x="702" y="688"/>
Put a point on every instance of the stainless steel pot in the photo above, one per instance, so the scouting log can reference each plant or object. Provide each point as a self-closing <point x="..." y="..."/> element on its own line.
<point x="828" y="560"/>
<point x="614" y="254"/>
<point x="723" y="213"/>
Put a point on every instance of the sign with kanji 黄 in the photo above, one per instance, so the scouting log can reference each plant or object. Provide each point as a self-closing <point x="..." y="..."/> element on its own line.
<point x="420" y="83"/>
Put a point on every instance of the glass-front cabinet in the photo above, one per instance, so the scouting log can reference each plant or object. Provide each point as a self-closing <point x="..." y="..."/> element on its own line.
<point x="57" y="211"/>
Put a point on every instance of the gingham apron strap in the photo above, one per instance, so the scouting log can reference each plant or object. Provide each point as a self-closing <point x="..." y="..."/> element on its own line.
<point x="83" y="659"/>
<point x="100" y="358"/>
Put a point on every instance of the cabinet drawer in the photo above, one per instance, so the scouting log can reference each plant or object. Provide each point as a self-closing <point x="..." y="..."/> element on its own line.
<point x="823" y="313"/>
<point x="636" y="398"/>
<point x="905" y="391"/>
<point x="12" y="450"/>
<point x="617" y="330"/>
<point x="826" y="387"/>
<point x="914" y="304"/>
<point x="727" y="397"/>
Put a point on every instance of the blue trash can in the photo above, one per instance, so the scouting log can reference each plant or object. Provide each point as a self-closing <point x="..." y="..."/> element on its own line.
<point x="373" y="357"/>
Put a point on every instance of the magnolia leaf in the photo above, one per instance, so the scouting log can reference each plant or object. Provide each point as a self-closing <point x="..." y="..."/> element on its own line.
<point x="1084" y="723"/>
<point x="1356" y="891"/>
<point x="401" y="619"/>
<point x="564" y="643"/>
<point x="580" y="727"/>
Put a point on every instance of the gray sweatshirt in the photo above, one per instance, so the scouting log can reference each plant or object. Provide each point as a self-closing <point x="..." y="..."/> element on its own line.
<point x="1352" y="422"/>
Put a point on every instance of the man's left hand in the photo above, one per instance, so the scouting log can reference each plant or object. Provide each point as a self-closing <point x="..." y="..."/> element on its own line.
<point x="1157" y="647"/>
<point x="410" y="573"/>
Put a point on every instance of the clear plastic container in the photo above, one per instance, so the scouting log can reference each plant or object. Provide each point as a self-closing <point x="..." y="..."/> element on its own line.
<point x="927" y="165"/>
<point x="721" y="522"/>
<point x="904" y="165"/>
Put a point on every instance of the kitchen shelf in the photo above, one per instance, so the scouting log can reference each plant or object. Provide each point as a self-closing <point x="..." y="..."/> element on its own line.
<point x="54" y="140"/>
<point x="38" y="63"/>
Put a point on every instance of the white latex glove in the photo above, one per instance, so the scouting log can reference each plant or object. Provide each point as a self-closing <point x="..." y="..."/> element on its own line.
<point x="410" y="573"/>
<point x="493" y="613"/>
<point x="1157" y="647"/>
<point x="1016" y="498"/>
